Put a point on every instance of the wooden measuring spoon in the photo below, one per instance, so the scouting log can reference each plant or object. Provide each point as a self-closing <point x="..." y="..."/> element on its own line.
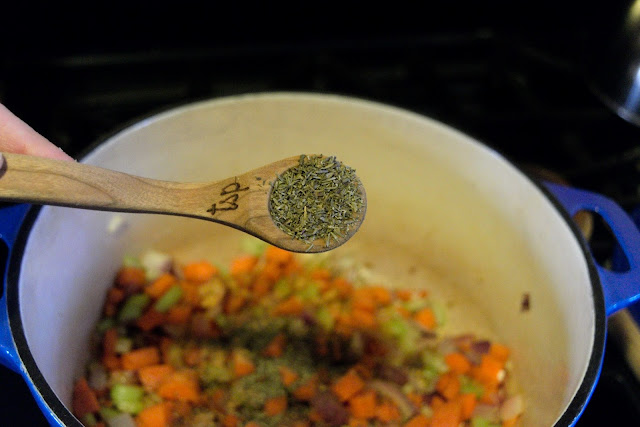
<point x="241" y="202"/>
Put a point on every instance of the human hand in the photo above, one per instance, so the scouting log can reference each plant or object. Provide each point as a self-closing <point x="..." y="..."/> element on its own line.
<point x="18" y="137"/>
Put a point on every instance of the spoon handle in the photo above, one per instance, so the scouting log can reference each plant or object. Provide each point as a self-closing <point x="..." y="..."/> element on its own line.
<point x="63" y="183"/>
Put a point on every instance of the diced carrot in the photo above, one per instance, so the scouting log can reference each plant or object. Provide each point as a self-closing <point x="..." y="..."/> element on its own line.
<point x="387" y="412"/>
<point x="511" y="422"/>
<point x="288" y="376"/>
<point x="199" y="271"/>
<point x="447" y="415"/>
<point x="252" y="424"/>
<point x="403" y="294"/>
<point x="261" y="287"/>
<point x="85" y="400"/>
<point x="158" y="415"/>
<point x="110" y="309"/>
<point x="136" y="359"/>
<point x="109" y="340"/>
<point x="180" y="386"/>
<point x="419" y="420"/>
<point x="357" y="422"/>
<point x="347" y="386"/>
<point x="363" y="319"/>
<point x="243" y="264"/>
<point x="425" y="318"/>
<point x="490" y="394"/>
<point x="192" y="356"/>
<point x="275" y="348"/>
<point x="242" y="365"/>
<point x="275" y="406"/>
<point x="271" y="272"/>
<point x="150" y="319"/>
<point x="115" y="295"/>
<point x="363" y="405"/>
<point x="343" y="286"/>
<point x="152" y="376"/>
<point x="458" y="363"/>
<point x="468" y="404"/>
<point x="111" y="362"/>
<point x="436" y="402"/>
<point x="230" y="420"/>
<point x="203" y="327"/>
<point x="381" y="295"/>
<point x="499" y="351"/>
<point x="292" y="267"/>
<point x="161" y="285"/>
<point x="315" y="417"/>
<point x="321" y="274"/>
<point x="131" y="279"/>
<point x="416" y="399"/>
<point x="404" y="312"/>
<point x="291" y="306"/>
<point x="448" y="385"/>
<point x="363" y="299"/>
<point x="277" y="255"/>
<point x="307" y="390"/>
<point x="488" y="371"/>
<point x="344" y="324"/>
<point x="190" y="294"/>
<point x="179" y="314"/>
<point x="182" y="409"/>
<point x="233" y="303"/>
<point x="219" y="399"/>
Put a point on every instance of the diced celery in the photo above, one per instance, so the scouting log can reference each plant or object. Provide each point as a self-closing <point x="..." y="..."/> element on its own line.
<point x="89" y="420"/>
<point x="127" y="398"/>
<point x="395" y="326"/>
<point x="169" y="299"/>
<point x="282" y="289"/>
<point x="434" y="362"/>
<point x="106" y="412"/>
<point x="467" y="385"/>
<point x="133" y="307"/>
<point x="310" y="293"/>
<point x="440" y="312"/>
<point x="174" y="355"/>
<point x="416" y="304"/>
<point x="105" y="324"/>
<point x="482" y="422"/>
<point x="399" y="328"/>
<point x="123" y="345"/>
<point x="131" y="261"/>
<point x="253" y="246"/>
<point x="325" y="318"/>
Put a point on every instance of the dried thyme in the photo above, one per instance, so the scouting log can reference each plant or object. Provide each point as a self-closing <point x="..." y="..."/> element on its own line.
<point x="320" y="198"/>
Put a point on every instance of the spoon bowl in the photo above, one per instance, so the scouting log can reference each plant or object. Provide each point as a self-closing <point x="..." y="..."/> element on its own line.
<point x="241" y="201"/>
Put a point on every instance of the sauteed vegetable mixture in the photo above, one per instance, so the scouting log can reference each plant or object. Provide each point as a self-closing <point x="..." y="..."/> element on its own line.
<point x="283" y="340"/>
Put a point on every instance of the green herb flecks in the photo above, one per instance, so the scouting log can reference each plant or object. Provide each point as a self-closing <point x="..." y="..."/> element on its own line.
<point x="320" y="198"/>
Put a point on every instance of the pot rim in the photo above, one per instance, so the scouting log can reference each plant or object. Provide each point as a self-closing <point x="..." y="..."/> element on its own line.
<point x="60" y="412"/>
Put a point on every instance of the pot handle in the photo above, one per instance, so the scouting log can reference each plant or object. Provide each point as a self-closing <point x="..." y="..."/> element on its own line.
<point x="620" y="288"/>
<point x="11" y="217"/>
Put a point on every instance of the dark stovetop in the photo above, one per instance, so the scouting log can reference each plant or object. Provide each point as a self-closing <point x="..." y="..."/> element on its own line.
<point x="511" y="85"/>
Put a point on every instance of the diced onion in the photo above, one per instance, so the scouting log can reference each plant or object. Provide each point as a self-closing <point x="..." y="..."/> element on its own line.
<point x="155" y="263"/>
<point x="121" y="420"/>
<point x="511" y="408"/>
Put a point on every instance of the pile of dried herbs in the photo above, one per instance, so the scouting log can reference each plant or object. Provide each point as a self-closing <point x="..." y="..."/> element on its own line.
<point x="320" y="198"/>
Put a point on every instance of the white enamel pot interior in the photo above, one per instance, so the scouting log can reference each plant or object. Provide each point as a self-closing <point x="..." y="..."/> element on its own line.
<point x="444" y="213"/>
